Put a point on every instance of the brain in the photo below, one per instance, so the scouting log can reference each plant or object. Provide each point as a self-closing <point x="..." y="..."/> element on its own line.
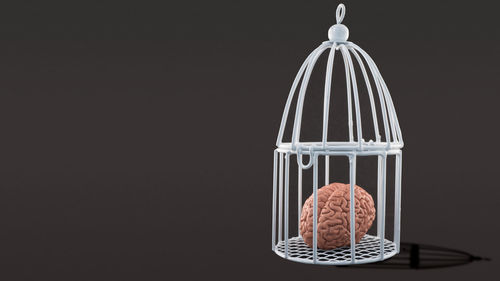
<point x="334" y="216"/>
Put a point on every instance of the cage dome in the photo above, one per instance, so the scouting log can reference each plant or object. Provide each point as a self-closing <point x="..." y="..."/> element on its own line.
<point x="386" y="140"/>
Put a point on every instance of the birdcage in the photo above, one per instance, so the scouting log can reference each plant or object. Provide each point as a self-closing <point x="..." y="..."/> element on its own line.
<point x="386" y="142"/>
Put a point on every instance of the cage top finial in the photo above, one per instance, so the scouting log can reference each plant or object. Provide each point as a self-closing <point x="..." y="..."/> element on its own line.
<point x="339" y="32"/>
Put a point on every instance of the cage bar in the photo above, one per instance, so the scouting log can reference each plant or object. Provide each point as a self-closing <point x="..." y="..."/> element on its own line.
<point x="275" y="183"/>
<point x="315" y="208"/>
<point x="280" y="198"/>
<point x="352" y="178"/>
<point x="397" y="201"/>
<point x="287" y="198"/>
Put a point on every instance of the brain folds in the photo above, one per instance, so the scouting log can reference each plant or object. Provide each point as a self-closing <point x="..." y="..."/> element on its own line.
<point x="334" y="216"/>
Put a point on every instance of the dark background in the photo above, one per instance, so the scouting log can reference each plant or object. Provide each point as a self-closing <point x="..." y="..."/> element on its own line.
<point x="137" y="137"/>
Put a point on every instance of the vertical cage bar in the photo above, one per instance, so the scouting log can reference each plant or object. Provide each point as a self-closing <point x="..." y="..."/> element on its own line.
<point x="275" y="184"/>
<point x="381" y="211"/>
<point x="280" y="198"/>
<point x="397" y="201"/>
<point x="328" y="88"/>
<point x="379" y="197"/>
<point x="359" y="131"/>
<point x="352" y="224"/>
<point x="349" y="101"/>
<point x="287" y="199"/>
<point x="299" y="197"/>
<point x="315" y="207"/>
<point x="327" y="169"/>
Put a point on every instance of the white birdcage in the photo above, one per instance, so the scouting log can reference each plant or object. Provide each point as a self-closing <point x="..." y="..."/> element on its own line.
<point x="371" y="248"/>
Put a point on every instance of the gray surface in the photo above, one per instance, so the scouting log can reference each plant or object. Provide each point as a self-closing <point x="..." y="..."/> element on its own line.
<point x="103" y="108"/>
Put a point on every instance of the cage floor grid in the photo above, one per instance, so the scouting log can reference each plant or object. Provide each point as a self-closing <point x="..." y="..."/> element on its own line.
<point x="367" y="250"/>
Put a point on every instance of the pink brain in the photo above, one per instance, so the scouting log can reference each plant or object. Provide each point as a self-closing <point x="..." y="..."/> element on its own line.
<point x="334" y="217"/>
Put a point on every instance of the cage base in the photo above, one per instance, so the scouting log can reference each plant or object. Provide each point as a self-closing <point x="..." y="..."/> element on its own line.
<point x="367" y="251"/>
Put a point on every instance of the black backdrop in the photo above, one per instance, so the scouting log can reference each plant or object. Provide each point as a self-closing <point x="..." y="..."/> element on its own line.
<point x="137" y="137"/>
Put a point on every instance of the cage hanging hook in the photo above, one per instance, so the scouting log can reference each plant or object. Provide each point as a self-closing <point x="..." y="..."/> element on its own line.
<point x="340" y="13"/>
<point x="299" y="158"/>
